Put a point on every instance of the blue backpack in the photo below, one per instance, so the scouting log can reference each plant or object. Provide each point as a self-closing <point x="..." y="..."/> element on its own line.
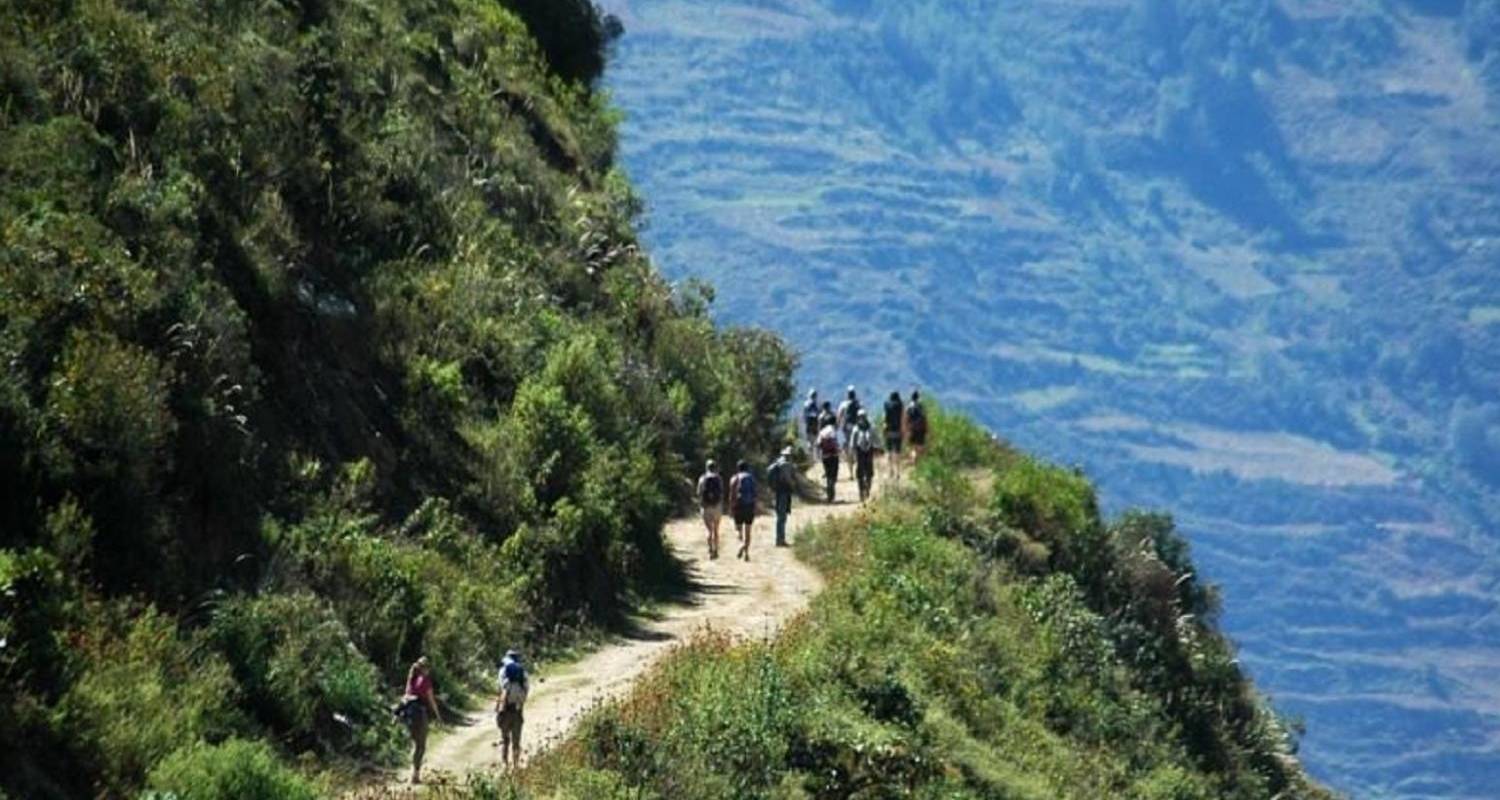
<point x="747" y="489"/>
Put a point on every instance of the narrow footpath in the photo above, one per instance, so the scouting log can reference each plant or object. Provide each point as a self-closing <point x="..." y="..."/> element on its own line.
<point x="751" y="599"/>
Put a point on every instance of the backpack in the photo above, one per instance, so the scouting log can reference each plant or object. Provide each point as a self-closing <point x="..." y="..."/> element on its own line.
<point x="917" y="418"/>
<point x="747" y="489"/>
<point x="849" y="412"/>
<point x="711" y="493"/>
<point x="513" y="687"/>
<point x="893" y="412"/>
<point x="828" y="443"/>
<point x="864" y="440"/>
<point x="811" y="412"/>
<point x="778" y="477"/>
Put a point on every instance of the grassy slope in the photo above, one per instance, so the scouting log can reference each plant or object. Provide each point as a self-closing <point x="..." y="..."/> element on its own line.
<point x="328" y="343"/>
<point x="987" y="638"/>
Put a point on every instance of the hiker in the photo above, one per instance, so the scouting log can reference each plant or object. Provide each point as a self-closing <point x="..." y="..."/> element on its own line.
<point x="863" y="445"/>
<point x="418" y="700"/>
<point x="782" y="476"/>
<point x="895" y="414"/>
<point x="711" y="500"/>
<point x="514" y="686"/>
<point x="826" y="417"/>
<point x="848" y="413"/>
<point x="742" y="495"/>
<point x="828" y="450"/>
<point x="810" y="414"/>
<point x="916" y="427"/>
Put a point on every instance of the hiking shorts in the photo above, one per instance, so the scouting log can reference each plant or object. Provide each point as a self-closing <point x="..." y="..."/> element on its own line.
<point x="509" y="720"/>
<point x="919" y="438"/>
<point x="893" y="442"/>
<point x="744" y="513"/>
<point x="712" y="514"/>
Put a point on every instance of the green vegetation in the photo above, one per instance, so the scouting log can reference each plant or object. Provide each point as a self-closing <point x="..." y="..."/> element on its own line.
<point x="985" y="634"/>
<point x="234" y="770"/>
<point x="328" y="343"/>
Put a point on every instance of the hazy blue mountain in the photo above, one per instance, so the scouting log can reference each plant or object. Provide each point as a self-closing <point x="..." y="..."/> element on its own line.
<point x="1237" y="257"/>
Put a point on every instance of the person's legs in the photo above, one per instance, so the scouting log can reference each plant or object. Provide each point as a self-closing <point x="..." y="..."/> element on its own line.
<point x="418" y="728"/>
<point x="849" y="449"/>
<point x="783" y="509"/>
<point x="505" y="742"/>
<point x="515" y="741"/>
<point x="511" y="732"/>
<point x="830" y="475"/>
<point x="715" y="523"/>
<point x="708" y="529"/>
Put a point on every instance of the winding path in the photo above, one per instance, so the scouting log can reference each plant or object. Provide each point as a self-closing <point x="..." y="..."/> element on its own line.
<point x="751" y="599"/>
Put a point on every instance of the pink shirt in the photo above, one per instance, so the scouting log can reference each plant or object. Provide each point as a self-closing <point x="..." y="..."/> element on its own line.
<point x="420" y="686"/>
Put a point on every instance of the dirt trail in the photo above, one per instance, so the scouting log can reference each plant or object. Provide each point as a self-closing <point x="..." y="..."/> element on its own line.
<point x="751" y="599"/>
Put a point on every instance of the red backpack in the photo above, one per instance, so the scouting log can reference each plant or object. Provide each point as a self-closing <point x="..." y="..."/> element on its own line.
<point x="828" y="443"/>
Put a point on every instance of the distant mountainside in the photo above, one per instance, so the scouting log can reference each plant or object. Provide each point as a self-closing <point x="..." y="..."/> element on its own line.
<point x="1239" y="258"/>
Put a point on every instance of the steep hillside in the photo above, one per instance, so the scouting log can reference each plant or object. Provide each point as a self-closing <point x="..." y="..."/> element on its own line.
<point x="978" y="639"/>
<point x="1236" y="257"/>
<point x="328" y="343"/>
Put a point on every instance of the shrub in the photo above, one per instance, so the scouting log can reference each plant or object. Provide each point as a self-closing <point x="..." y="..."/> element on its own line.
<point x="957" y="441"/>
<point x="573" y="34"/>
<point x="143" y="693"/>
<point x="107" y="411"/>
<point x="233" y="770"/>
<point x="37" y="605"/>
<point x="302" y="675"/>
<point x="1057" y="508"/>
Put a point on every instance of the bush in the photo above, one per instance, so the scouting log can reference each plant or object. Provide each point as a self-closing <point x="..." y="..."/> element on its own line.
<point x="302" y="676"/>
<point x="143" y="693"/>
<point x="957" y="441"/>
<point x="233" y="770"/>
<point x="1057" y="508"/>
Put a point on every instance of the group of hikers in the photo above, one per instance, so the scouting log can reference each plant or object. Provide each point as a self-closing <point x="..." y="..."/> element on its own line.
<point x="843" y="436"/>
<point x="418" y="709"/>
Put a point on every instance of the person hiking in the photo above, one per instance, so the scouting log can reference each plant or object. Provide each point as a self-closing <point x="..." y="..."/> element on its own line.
<point x="742" y="497"/>
<point x="828" y="451"/>
<point x="782" y="476"/>
<point x="826" y="417"/>
<point x="848" y="414"/>
<point x="509" y="702"/>
<point x="810" y="414"/>
<point x="863" y="445"/>
<point x="415" y="705"/>
<point x="916" y="426"/>
<point x="895" y="417"/>
<point x="711" y="501"/>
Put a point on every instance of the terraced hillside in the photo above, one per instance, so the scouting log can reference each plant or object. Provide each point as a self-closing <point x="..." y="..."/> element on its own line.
<point x="1238" y="258"/>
